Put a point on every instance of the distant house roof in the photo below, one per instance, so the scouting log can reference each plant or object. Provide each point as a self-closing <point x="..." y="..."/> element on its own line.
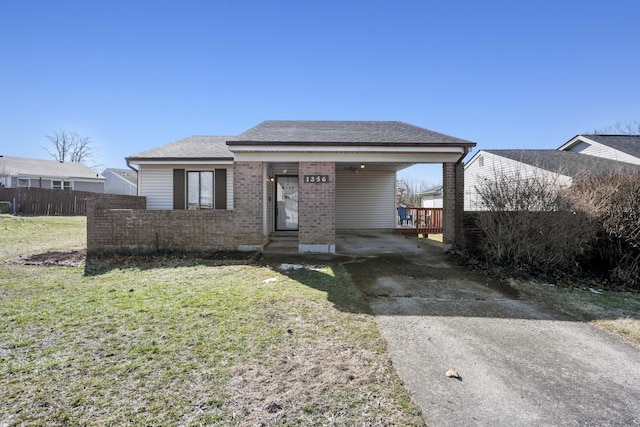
<point x="629" y="144"/>
<point x="128" y="174"/>
<point x="17" y="166"/>
<point x="566" y="162"/>
<point x="344" y="133"/>
<point x="433" y="191"/>
<point x="190" y="148"/>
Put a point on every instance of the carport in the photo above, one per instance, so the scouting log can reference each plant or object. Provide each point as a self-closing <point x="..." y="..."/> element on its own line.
<point x="321" y="178"/>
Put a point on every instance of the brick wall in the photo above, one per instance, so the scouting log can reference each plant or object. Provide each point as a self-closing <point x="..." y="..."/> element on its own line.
<point x="453" y="203"/>
<point x="317" y="205"/>
<point x="121" y="224"/>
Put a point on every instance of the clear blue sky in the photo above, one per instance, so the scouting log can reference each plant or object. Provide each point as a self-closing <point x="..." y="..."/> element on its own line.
<point x="133" y="75"/>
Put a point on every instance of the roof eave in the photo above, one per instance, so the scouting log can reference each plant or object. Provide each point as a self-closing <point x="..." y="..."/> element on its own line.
<point x="352" y="144"/>
<point x="178" y="159"/>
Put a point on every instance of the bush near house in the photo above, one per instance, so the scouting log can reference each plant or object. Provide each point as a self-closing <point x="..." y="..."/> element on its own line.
<point x="533" y="225"/>
<point x="613" y="201"/>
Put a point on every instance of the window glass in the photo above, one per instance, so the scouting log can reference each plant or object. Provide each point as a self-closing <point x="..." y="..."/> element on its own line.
<point x="200" y="190"/>
<point x="206" y="190"/>
<point x="60" y="185"/>
<point x="23" y="182"/>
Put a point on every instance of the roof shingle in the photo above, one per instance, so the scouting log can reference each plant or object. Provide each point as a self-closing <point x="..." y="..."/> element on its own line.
<point x="629" y="144"/>
<point x="193" y="147"/>
<point x="365" y="132"/>
<point x="566" y="162"/>
<point x="47" y="168"/>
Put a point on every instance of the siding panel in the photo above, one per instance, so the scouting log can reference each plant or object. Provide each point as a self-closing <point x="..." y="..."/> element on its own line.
<point x="365" y="200"/>
<point x="156" y="184"/>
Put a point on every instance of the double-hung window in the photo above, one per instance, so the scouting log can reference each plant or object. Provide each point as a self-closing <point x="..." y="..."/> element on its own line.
<point x="200" y="190"/>
<point x="61" y="185"/>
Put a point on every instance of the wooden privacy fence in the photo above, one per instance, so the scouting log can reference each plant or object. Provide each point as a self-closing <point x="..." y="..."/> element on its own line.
<point x="44" y="201"/>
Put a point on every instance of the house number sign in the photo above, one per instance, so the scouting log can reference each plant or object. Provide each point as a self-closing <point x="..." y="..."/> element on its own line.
<point x="316" y="179"/>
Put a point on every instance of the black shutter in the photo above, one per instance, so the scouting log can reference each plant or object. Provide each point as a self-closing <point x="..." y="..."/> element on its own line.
<point x="220" y="195"/>
<point x="178" y="188"/>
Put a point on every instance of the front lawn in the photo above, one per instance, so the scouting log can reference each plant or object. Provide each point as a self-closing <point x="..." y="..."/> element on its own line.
<point x="189" y="345"/>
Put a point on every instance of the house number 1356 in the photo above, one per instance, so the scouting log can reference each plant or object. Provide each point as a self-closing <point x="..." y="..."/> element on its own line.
<point x="316" y="179"/>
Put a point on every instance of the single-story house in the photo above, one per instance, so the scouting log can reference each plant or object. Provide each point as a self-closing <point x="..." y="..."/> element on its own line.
<point x="304" y="179"/>
<point x="120" y="181"/>
<point x="431" y="197"/>
<point x="24" y="172"/>
<point x="583" y="154"/>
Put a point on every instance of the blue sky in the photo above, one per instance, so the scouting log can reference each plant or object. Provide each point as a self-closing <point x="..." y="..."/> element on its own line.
<point x="133" y="75"/>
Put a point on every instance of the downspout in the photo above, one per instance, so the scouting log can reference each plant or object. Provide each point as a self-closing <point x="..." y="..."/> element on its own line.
<point x="137" y="176"/>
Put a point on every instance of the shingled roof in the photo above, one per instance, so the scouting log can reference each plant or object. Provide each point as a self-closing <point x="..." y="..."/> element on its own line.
<point x="190" y="148"/>
<point x="14" y="166"/>
<point x="343" y="133"/>
<point x="566" y="162"/>
<point x="629" y="144"/>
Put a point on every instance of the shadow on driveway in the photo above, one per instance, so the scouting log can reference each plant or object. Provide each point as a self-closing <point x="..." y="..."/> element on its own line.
<point x="521" y="362"/>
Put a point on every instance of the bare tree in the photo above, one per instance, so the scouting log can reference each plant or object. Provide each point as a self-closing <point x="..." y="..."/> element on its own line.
<point x="70" y="146"/>
<point x="628" y="127"/>
<point x="409" y="189"/>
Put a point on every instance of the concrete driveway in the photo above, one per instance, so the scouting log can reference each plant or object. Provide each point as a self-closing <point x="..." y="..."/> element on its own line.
<point x="521" y="363"/>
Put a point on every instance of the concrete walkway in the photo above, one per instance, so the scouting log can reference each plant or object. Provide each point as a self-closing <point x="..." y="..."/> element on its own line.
<point x="521" y="363"/>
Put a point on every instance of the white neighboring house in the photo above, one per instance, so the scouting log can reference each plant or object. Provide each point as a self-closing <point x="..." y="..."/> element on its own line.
<point x="431" y="198"/>
<point x="120" y="181"/>
<point x="623" y="148"/>
<point x="51" y="174"/>
<point x="560" y="166"/>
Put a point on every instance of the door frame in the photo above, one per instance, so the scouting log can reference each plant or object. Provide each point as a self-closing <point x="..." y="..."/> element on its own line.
<point x="275" y="205"/>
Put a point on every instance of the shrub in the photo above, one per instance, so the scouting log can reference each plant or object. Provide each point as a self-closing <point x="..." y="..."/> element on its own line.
<point x="614" y="200"/>
<point x="530" y="223"/>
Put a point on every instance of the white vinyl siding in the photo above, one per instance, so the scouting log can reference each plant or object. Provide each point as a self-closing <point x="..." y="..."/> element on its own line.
<point x="115" y="184"/>
<point x="156" y="183"/>
<point x="475" y="175"/>
<point x="365" y="200"/>
<point x="601" y="150"/>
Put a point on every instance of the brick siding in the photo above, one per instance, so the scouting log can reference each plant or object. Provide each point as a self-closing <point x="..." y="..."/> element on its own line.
<point x="121" y="224"/>
<point x="453" y="203"/>
<point x="317" y="205"/>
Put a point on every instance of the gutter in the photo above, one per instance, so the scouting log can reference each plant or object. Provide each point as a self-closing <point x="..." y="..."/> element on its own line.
<point x="126" y="159"/>
<point x="467" y="150"/>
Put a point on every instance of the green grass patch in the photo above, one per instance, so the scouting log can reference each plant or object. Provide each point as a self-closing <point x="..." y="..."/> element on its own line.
<point x="23" y="235"/>
<point x="186" y="345"/>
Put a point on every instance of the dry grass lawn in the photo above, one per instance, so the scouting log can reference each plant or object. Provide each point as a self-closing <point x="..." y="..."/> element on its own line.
<point x="186" y="345"/>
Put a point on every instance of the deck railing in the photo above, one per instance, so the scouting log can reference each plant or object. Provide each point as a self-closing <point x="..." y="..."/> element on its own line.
<point x="425" y="221"/>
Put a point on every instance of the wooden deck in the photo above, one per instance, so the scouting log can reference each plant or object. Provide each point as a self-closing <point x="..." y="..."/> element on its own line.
<point x="425" y="221"/>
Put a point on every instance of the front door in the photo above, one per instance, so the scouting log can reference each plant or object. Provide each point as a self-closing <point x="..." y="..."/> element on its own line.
<point x="286" y="202"/>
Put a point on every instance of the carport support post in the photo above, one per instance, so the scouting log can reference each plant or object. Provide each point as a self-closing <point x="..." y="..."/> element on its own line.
<point x="453" y="204"/>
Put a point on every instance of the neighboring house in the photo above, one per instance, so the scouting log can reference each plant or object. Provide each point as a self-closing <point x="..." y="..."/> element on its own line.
<point x="308" y="179"/>
<point x="623" y="148"/>
<point x="51" y="174"/>
<point x="120" y="181"/>
<point x="431" y="198"/>
<point x="560" y="166"/>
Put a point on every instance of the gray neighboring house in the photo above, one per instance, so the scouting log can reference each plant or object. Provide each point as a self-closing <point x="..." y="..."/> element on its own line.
<point x="120" y="181"/>
<point x="51" y="174"/>
<point x="560" y="166"/>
